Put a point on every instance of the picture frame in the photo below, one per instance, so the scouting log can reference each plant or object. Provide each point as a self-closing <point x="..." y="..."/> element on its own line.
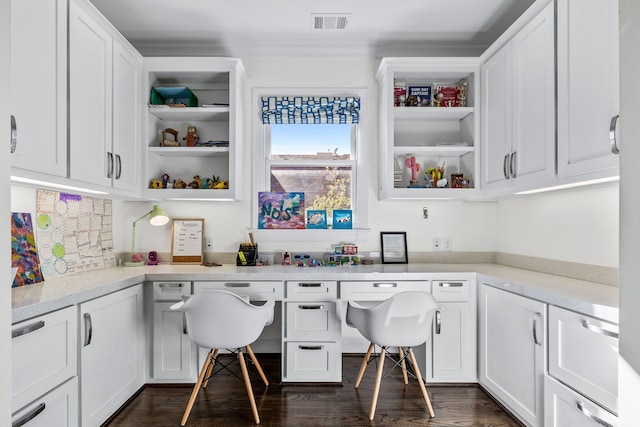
<point x="393" y="247"/>
<point x="316" y="219"/>
<point x="281" y="210"/>
<point x="342" y="219"/>
<point x="187" y="240"/>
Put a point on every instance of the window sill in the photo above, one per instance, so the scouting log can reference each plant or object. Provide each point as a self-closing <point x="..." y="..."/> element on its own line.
<point x="330" y="235"/>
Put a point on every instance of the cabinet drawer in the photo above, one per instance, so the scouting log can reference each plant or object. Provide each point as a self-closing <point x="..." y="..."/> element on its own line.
<point x="450" y="290"/>
<point x="564" y="407"/>
<point x="33" y="374"/>
<point x="583" y="353"/>
<point x="312" y="290"/>
<point x="255" y="290"/>
<point x="170" y="291"/>
<point x="315" y="321"/>
<point x="318" y="361"/>
<point x="380" y="289"/>
<point x="57" y="408"/>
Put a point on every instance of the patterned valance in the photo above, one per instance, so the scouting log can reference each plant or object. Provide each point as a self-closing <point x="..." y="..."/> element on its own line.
<point x="310" y="109"/>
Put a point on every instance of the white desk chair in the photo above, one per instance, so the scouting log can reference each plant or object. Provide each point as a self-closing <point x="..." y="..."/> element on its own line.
<point x="222" y="320"/>
<point x="403" y="320"/>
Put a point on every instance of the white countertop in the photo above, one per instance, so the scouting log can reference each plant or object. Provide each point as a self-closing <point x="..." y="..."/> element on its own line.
<point x="578" y="295"/>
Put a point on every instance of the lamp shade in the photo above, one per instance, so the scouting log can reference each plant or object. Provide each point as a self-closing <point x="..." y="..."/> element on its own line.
<point x="158" y="216"/>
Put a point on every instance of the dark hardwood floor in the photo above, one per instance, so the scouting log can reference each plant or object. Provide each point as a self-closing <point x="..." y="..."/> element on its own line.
<point x="224" y="402"/>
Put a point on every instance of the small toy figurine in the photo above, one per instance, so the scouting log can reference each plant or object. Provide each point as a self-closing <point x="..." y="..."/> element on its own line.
<point x="165" y="180"/>
<point x="192" y="138"/>
<point x="167" y="142"/>
<point x="179" y="183"/>
<point x="156" y="184"/>
<point x="196" y="183"/>
<point x="153" y="258"/>
<point x="136" y="257"/>
<point x="415" y="168"/>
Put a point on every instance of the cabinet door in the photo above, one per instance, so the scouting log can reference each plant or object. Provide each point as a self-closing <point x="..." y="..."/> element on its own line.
<point x="512" y="351"/>
<point x="496" y="120"/>
<point x="90" y="88"/>
<point x="173" y="351"/>
<point x="57" y="408"/>
<point x="112" y="353"/>
<point x="454" y="343"/>
<point x="588" y="85"/>
<point x="39" y="84"/>
<point x="127" y="73"/>
<point x="533" y="59"/>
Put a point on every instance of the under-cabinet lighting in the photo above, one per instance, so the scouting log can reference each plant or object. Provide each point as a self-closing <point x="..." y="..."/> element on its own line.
<point x="54" y="185"/>
<point x="573" y="185"/>
<point x="186" y="199"/>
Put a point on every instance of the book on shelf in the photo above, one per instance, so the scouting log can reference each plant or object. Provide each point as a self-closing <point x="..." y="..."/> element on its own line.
<point x="419" y="95"/>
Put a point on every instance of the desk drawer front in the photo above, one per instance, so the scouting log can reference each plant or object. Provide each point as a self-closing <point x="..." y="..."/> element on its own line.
<point x="583" y="353"/>
<point x="255" y="290"/>
<point x="311" y="290"/>
<point x="45" y="354"/>
<point x="451" y="290"/>
<point x="316" y="321"/>
<point x="318" y="361"/>
<point x="170" y="291"/>
<point x="379" y="290"/>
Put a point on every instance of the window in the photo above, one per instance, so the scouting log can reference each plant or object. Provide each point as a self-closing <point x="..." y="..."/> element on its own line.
<point x="310" y="151"/>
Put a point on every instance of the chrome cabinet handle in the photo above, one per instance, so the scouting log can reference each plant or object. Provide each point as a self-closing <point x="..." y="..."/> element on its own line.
<point x="505" y="171"/>
<point x="599" y="330"/>
<point x="310" y="285"/>
<point x="29" y="416"/>
<point x="171" y="285"/>
<point x="451" y="285"/>
<point x="88" y="329"/>
<point x="613" y="134"/>
<point x="591" y="415"/>
<point x="311" y="307"/>
<point x="110" y="165"/>
<point x="27" y="329"/>
<point x="14" y="134"/>
<point x="385" y="285"/>
<point x="118" y="166"/>
<point x="536" y="317"/>
<point x="438" y="322"/>
<point x="310" y="347"/>
<point x="237" y="285"/>
<point x="512" y="165"/>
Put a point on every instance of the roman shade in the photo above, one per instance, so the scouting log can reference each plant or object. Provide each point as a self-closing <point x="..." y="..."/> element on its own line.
<point x="310" y="110"/>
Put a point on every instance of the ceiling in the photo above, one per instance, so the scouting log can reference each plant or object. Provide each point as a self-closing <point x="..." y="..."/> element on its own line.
<point x="277" y="28"/>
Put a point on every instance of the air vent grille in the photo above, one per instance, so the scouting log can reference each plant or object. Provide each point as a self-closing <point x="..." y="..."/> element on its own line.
<point x="330" y="21"/>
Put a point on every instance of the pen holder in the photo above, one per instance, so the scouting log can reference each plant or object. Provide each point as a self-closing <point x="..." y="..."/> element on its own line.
<point x="247" y="255"/>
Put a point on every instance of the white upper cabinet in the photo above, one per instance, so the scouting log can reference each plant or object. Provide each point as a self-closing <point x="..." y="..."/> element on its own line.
<point x="39" y="85"/>
<point x="518" y="108"/>
<point x="588" y="86"/>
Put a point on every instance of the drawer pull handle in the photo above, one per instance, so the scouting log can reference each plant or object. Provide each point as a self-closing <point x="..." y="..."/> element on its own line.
<point x="599" y="330"/>
<point x="88" y="329"/>
<point x="311" y="307"/>
<point x="310" y="285"/>
<point x="451" y="285"/>
<point x="29" y="416"/>
<point x="237" y="285"/>
<point x="185" y="330"/>
<point x="438" y="322"/>
<point x="27" y="329"/>
<point x="171" y="285"/>
<point x="505" y="171"/>
<point x="385" y="285"/>
<point x="536" y="318"/>
<point x="613" y="134"/>
<point x="594" y="417"/>
<point x="110" y="167"/>
<point x="311" y="347"/>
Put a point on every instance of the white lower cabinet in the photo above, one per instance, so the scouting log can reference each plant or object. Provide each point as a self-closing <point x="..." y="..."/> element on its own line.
<point x="111" y="353"/>
<point x="513" y="351"/>
<point x="59" y="407"/>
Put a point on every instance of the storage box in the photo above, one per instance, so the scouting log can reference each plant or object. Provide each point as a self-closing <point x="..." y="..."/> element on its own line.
<point x="173" y="95"/>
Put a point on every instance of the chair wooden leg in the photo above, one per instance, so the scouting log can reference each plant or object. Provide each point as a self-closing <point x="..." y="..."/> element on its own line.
<point x="404" y="365"/>
<point x="196" y="388"/>
<point x="365" y="361"/>
<point x="210" y="369"/>
<point x="257" y="365"/>
<point x="376" y="387"/>
<point x="247" y="383"/>
<point x="423" y="389"/>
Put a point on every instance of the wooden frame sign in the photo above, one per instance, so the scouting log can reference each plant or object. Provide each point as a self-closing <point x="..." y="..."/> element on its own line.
<point x="187" y="241"/>
<point x="393" y="247"/>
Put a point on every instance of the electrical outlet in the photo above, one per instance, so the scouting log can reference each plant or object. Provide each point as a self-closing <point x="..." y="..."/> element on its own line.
<point x="208" y="244"/>
<point x="437" y="244"/>
<point x="447" y="244"/>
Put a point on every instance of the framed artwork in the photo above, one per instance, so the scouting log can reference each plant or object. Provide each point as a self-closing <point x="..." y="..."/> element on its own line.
<point x="281" y="210"/>
<point x="342" y="219"/>
<point x="393" y="247"/>
<point x="187" y="240"/>
<point x="316" y="219"/>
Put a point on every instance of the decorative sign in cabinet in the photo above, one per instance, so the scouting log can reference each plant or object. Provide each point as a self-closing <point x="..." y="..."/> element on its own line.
<point x="208" y="165"/>
<point x="437" y="142"/>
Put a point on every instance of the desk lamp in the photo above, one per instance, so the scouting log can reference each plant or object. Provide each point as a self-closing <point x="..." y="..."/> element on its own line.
<point x="157" y="217"/>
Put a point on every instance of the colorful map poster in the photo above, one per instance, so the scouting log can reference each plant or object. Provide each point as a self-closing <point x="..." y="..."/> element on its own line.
<point x="74" y="233"/>
<point x="24" y="255"/>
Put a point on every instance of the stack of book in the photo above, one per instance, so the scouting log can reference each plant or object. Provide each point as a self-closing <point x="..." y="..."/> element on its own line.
<point x="397" y="174"/>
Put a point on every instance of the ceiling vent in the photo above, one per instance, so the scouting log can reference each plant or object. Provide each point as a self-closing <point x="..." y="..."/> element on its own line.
<point x="330" y="21"/>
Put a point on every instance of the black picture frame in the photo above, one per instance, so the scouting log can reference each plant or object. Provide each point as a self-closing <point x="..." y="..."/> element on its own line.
<point x="393" y="247"/>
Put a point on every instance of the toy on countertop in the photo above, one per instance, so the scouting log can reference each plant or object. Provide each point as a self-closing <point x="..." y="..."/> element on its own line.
<point x="415" y="168"/>
<point x="167" y="142"/>
<point x="179" y="183"/>
<point x="192" y="138"/>
<point x="136" y="257"/>
<point x="153" y="258"/>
